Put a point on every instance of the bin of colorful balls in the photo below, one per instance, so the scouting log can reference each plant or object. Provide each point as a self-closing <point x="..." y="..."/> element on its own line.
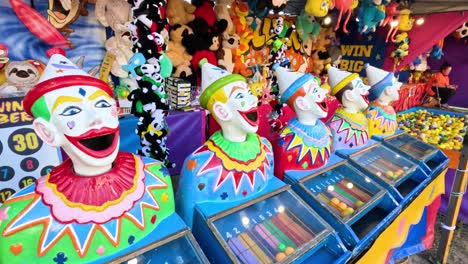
<point x="440" y="129"/>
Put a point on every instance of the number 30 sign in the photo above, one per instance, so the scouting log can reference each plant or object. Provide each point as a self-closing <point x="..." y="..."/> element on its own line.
<point x="23" y="156"/>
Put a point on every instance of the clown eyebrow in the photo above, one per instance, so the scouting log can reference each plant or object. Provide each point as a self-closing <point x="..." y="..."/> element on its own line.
<point x="98" y="93"/>
<point x="64" y="99"/>
<point x="235" y="88"/>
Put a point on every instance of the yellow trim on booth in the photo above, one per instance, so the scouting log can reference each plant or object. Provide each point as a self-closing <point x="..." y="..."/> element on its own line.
<point x="396" y="233"/>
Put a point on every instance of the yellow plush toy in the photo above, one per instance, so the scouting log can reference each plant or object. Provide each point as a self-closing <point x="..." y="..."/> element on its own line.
<point x="318" y="8"/>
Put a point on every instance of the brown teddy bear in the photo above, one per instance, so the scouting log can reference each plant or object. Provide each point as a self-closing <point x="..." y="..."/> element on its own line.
<point x="176" y="51"/>
<point x="224" y="54"/>
<point x="179" y="12"/>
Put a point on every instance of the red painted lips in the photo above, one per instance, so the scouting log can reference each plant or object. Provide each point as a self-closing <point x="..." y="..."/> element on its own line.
<point x="97" y="143"/>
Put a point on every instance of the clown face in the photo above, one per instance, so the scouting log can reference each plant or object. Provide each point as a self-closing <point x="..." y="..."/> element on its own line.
<point x="85" y="124"/>
<point x="316" y="95"/>
<point x="393" y="91"/>
<point x="243" y="106"/>
<point x="359" y="95"/>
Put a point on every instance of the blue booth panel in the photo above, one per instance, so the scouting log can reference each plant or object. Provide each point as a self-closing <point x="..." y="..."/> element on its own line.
<point x="277" y="227"/>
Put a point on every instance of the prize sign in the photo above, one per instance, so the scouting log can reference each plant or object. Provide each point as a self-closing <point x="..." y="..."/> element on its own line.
<point x="357" y="50"/>
<point x="23" y="155"/>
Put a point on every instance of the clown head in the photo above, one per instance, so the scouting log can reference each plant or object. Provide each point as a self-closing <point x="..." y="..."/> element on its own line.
<point x="302" y="92"/>
<point x="230" y="101"/>
<point x="349" y="89"/>
<point x="384" y="86"/>
<point x="76" y="112"/>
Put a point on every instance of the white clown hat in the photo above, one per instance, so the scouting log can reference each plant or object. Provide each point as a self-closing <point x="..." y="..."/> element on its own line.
<point x="289" y="82"/>
<point x="378" y="80"/>
<point x="60" y="73"/>
<point x="338" y="79"/>
<point x="214" y="78"/>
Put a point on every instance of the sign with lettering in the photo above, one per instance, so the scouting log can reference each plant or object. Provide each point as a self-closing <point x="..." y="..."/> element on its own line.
<point x="23" y="155"/>
<point x="357" y="50"/>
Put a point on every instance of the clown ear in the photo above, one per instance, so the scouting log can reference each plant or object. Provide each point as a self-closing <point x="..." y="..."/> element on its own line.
<point x="47" y="132"/>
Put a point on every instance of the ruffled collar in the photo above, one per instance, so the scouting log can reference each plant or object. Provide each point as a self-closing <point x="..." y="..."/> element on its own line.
<point x="386" y="110"/>
<point x="356" y="120"/>
<point x="95" y="191"/>
<point x="317" y="135"/>
<point x="241" y="151"/>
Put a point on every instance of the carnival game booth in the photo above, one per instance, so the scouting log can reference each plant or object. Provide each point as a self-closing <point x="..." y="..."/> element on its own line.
<point x="417" y="193"/>
<point x="227" y="193"/>
<point x="356" y="188"/>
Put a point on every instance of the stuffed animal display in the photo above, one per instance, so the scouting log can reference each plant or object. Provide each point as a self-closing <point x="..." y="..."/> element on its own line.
<point x="148" y="68"/>
<point x="392" y="19"/>
<point x="116" y="14"/>
<point x="176" y="51"/>
<point x="370" y="15"/>
<point x="222" y="13"/>
<point x="318" y="8"/>
<point x="224" y="54"/>
<point x="307" y="26"/>
<point x="345" y="6"/>
<point x="402" y="40"/>
<point x="179" y="12"/>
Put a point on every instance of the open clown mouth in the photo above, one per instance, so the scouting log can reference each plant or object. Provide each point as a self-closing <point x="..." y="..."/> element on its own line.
<point x="250" y="116"/>
<point x="323" y="105"/>
<point x="364" y="96"/>
<point x="97" y="143"/>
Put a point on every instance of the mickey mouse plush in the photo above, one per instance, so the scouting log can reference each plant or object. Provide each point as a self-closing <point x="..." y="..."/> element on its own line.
<point x="205" y="41"/>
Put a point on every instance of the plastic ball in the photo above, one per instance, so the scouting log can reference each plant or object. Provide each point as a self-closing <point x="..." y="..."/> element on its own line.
<point x="335" y="200"/>
<point x="289" y="250"/>
<point x="359" y="203"/>
<point x="347" y="211"/>
<point x="280" y="256"/>
<point x="342" y="206"/>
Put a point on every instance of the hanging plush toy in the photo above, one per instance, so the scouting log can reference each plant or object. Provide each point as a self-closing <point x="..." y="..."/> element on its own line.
<point x="345" y="6"/>
<point x="436" y="52"/>
<point x="257" y="11"/>
<point x="370" y="15"/>
<point x="392" y="19"/>
<point x="402" y="40"/>
<point x="307" y="26"/>
<point x="318" y="8"/>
